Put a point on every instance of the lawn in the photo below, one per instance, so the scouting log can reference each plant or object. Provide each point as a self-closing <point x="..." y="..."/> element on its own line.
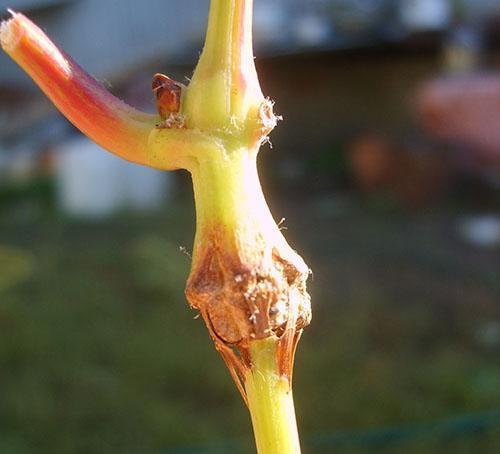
<point x="99" y="351"/>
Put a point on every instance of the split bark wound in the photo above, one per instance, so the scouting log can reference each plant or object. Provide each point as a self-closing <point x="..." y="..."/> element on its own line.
<point x="247" y="292"/>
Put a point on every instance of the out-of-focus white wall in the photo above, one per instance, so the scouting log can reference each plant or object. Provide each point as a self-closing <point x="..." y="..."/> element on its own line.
<point x="92" y="183"/>
<point x="113" y="37"/>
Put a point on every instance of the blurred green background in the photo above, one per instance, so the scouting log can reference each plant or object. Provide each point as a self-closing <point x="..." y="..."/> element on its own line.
<point x="99" y="352"/>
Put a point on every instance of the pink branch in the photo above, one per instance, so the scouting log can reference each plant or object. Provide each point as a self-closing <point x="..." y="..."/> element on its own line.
<point x="108" y="121"/>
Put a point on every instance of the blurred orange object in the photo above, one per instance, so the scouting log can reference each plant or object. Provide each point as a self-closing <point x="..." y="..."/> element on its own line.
<point x="416" y="177"/>
<point x="464" y="109"/>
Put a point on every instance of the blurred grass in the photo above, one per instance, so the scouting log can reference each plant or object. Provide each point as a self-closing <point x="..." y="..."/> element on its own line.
<point x="100" y="353"/>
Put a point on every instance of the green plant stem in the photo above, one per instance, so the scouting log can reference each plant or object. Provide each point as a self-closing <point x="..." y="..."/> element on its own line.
<point x="224" y="87"/>
<point x="246" y="280"/>
<point x="270" y="401"/>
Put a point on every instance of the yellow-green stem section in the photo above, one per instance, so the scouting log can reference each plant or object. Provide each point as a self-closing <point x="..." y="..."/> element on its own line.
<point x="228" y="193"/>
<point x="270" y="402"/>
<point x="224" y="86"/>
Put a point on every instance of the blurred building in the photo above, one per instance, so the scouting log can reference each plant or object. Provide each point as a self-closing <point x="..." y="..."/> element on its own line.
<point x="355" y="61"/>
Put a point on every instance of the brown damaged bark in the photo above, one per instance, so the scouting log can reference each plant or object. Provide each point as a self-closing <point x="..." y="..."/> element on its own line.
<point x="246" y="292"/>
